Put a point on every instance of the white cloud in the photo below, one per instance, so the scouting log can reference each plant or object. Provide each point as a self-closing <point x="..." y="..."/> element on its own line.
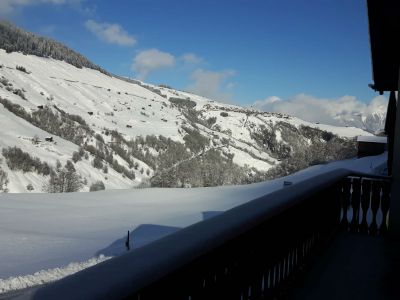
<point x="110" y="33"/>
<point x="326" y="111"/>
<point x="151" y="60"/>
<point x="10" y="6"/>
<point x="212" y="84"/>
<point x="268" y="101"/>
<point x="191" y="58"/>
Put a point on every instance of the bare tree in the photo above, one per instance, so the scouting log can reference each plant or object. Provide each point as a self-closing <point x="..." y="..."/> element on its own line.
<point x="97" y="186"/>
<point x="3" y="181"/>
<point x="64" y="180"/>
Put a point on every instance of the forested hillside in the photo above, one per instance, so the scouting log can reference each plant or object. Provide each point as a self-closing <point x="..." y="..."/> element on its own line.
<point x="14" y="39"/>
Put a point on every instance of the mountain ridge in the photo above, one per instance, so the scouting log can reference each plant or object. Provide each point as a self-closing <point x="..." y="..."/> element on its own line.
<point x="373" y="122"/>
<point x="14" y="39"/>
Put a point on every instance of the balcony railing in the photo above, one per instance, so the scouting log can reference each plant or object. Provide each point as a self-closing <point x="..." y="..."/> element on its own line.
<point x="365" y="204"/>
<point x="253" y="251"/>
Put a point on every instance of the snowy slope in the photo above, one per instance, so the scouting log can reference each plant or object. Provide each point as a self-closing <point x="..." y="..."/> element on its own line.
<point x="130" y="107"/>
<point x="42" y="232"/>
<point x="80" y="91"/>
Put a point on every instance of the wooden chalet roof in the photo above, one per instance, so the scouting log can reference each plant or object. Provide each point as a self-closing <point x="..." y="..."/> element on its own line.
<point x="384" y="31"/>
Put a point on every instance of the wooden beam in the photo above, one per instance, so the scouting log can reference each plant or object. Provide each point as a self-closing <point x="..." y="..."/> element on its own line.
<point x="394" y="216"/>
<point x="384" y="28"/>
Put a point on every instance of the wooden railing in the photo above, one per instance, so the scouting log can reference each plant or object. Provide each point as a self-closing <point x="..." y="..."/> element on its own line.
<point x="365" y="202"/>
<point x="253" y="251"/>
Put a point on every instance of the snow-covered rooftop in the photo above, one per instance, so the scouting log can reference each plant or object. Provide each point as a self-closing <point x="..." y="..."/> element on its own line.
<point x="372" y="139"/>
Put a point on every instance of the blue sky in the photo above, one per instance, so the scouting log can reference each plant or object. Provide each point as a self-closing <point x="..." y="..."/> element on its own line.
<point x="238" y="50"/>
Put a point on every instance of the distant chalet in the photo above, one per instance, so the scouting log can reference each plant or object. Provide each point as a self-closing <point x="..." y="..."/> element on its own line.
<point x="371" y="145"/>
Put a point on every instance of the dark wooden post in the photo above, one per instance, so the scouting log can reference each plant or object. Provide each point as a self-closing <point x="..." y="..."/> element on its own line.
<point x="346" y="201"/>
<point x="375" y="203"/>
<point x="365" y="204"/>
<point x="355" y="204"/>
<point x="127" y="244"/>
<point x="385" y="207"/>
<point x="389" y="129"/>
<point x="394" y="214"/>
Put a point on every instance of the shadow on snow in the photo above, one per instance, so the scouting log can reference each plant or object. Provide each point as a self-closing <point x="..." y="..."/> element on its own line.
<point x="145" y="234"/>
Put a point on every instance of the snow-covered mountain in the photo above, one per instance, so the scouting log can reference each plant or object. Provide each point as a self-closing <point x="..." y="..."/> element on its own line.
<point x="60" y="119"/>
<point x="370" y="121"/>
<point x="343" y="111"/>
